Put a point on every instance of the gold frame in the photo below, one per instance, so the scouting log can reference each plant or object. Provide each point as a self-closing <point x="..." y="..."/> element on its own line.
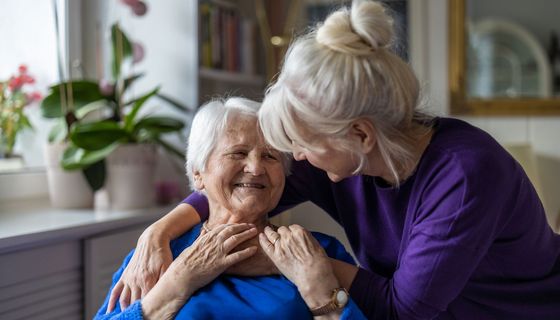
<point x="459" y="104"/>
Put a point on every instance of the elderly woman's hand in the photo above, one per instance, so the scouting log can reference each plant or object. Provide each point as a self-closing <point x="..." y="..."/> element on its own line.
<point x="150" y="260"/>
<point x="209" y="256"/>
<point x="302" y="260"/>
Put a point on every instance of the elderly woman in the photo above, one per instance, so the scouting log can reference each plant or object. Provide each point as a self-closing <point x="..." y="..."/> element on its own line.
<point x="229" y="162"/>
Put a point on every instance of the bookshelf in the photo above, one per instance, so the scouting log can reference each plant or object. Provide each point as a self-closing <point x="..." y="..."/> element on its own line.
<point x="230" y="54"/>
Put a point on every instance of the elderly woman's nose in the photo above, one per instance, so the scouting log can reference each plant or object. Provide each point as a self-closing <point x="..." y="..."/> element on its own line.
<point x="254" y="166"/>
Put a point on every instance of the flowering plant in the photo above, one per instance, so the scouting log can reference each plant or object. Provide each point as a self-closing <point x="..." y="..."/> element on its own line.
<point x="15" y="95"/>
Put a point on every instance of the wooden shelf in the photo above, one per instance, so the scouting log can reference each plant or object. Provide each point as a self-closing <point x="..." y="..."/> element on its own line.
<point x="232" y="77"/>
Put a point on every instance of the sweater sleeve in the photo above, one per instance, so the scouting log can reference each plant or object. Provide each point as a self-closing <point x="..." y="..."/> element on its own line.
<point x="133" y="312"/>
<point x="199" y="203"/>
<point x="461" y="211"/>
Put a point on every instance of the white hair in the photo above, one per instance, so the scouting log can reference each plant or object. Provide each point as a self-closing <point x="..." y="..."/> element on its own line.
<point x="208" y="126"/>
<point x="341" y="71"/>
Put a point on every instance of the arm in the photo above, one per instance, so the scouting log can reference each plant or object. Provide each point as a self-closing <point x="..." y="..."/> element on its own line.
<point x="455" y="224"/>
<point x="191" y="270"/>
<point x="153" y="255"/>
<point x="299" y="256"/>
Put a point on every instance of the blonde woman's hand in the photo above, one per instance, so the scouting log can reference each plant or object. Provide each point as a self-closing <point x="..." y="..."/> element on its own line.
<point x="301" y="259"/>
<point x="208" y="257"/>
<point x="149" y="262"/>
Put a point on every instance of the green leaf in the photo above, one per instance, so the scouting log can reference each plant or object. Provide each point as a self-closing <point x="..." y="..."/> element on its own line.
<point x="130" y="80"/>
<point x="83" y="92"/>
<point x="159" y="125"/>
<point x="95" y="175"/>
<point x="96" y="135"/>
<point x="174" y="103"/>
<point x="58" y="132"/>
<point x="122" y="49"/>
<point x="129" y="118"/>
<point x="77" y="158"/>
<point x="91" y="107"/>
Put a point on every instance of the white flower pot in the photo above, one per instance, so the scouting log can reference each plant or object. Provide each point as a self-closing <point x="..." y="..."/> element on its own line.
<point x="67" y="189"/>
<point x="131" y="176"/>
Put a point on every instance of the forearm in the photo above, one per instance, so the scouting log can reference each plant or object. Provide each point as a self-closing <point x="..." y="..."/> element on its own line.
<point x="179" y="220"/>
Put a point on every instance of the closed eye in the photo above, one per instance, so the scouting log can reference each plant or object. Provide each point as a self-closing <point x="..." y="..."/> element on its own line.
<point x="237" y="155"/>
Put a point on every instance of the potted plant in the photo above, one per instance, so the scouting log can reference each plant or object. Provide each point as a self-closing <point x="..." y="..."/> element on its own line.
<point x="15" y="96"/>
<point x="117" y="147"/>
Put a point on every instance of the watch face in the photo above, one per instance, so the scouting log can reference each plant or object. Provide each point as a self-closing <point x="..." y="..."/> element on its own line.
<point x="341" y="298"/>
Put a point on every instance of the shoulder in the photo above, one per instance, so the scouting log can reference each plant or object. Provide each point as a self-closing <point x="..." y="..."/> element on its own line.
<point x="460" y="151"/>
<point x="334" y="248"/>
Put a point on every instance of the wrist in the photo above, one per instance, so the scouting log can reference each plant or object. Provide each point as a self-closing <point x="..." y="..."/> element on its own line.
<point x="156" y="234"/>
<point x="319" y="293"/>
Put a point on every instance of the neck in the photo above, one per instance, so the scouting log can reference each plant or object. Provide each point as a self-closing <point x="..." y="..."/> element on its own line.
<point x="378" y="168"/>
<point x="223" y="216"/>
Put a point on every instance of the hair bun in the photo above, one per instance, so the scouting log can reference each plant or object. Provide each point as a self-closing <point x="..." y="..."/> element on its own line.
<point x="363" y="29"/>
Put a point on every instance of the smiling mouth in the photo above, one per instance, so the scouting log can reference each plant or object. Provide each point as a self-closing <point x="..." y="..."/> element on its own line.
<point x="250" y="185"/>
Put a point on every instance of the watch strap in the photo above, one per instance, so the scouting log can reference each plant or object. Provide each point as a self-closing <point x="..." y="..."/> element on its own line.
<point x="330" y="306"/>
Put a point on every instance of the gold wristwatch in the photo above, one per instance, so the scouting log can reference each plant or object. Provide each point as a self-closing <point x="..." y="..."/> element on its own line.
<point x="338" y="301"/>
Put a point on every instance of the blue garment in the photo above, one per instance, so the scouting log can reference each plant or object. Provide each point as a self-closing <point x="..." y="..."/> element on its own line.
<point x="264" y="297"/>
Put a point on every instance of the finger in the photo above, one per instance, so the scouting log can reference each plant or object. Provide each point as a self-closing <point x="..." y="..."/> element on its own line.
<point x="232" y="229"/>
<point x="115" y="294"/>
<point x="266" y="245"/>
<point x="237" y="256"/>
<point x="124" y="300"/>
<point x="283" y="231"/>
<point x="238" y="238"/>
<point x="136" y="293"/>
<point x="271" y="234"/>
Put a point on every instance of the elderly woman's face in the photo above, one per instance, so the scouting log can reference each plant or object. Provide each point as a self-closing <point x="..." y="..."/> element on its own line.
<point x="243" y="174"/>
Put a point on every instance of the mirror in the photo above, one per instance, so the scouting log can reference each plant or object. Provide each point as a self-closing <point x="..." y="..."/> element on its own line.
<point x="504" y="58"/>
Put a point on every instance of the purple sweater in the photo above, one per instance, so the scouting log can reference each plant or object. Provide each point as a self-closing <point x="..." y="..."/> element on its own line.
<point x="465" y="237"/>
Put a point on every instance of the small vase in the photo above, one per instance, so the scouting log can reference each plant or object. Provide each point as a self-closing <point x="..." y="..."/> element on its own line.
<point x="131" y="176"/>
<point x="67" y="189"/>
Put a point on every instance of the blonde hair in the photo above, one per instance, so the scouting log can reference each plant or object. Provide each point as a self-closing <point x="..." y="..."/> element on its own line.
<point x="341" y="71"/>
<point x="208" y="126"/>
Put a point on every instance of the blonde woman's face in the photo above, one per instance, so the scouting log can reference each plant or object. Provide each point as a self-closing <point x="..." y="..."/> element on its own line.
<point x="243" y="174"/>
<point x="326" y="155"/>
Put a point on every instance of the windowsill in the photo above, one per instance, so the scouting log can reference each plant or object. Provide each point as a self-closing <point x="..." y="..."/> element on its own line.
<point x="24" y="223"/>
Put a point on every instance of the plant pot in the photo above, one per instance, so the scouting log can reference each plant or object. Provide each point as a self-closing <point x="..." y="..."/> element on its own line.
<point x="67" y="189"/>
<point x="131" y="176"/>
<point x="11" y="164"/>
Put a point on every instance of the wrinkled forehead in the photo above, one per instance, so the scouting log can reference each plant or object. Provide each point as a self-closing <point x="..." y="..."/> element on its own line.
<point x="243" y="129"/>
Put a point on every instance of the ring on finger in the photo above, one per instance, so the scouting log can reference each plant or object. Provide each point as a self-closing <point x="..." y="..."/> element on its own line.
<point x="275" y="240"/>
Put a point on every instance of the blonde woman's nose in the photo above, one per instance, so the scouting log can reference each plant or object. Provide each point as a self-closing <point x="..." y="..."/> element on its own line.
<point x="254" y="165"/>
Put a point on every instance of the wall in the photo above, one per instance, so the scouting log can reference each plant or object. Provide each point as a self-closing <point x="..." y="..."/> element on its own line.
<point x="541" y="132"/>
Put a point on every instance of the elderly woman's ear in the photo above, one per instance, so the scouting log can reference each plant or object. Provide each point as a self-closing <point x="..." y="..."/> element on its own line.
<point x="198" y="183"/>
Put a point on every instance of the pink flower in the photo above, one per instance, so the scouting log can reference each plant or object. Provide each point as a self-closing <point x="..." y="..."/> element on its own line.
<point x="106" y="87"/>
<point x="22" y="69"/>
<point x="137" y="52"/>
<point x="140" y="8"/>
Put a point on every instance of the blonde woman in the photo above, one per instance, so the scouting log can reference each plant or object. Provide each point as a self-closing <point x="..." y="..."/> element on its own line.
<point x="444" y="222"/>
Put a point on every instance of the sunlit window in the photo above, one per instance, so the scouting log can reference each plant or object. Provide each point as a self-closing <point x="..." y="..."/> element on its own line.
<point x="29" y="44"/>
